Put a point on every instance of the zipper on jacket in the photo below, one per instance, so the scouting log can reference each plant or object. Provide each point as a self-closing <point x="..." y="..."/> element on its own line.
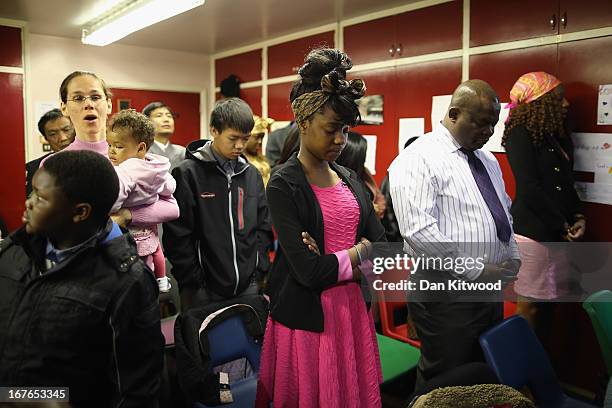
<point x="231" y="217"/>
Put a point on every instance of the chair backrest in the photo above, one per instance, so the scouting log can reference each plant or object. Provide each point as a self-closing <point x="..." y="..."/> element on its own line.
<point x="229" y="341"/>
<point x="518" y="359"/>
<point x="599" y="308"/>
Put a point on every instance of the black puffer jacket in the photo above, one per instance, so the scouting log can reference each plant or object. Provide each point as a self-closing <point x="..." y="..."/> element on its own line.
<point x="91" y="323"/>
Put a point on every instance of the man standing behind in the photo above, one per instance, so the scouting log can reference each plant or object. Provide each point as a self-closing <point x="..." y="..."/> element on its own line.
<point x="58" y="131"/>
<point x="220" y="242"/>
<point x="450" y="202"/>
<point x="163" y="119"/>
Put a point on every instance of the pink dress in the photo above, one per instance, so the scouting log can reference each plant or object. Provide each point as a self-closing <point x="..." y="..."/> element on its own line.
<point x="339" y="367"/>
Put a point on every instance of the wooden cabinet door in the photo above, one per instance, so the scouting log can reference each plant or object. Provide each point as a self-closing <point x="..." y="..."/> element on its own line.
<point x="12" y="150"/>
<point x="493" y="22"/>
<point x="370" y="41"/>
<point x="246" y="66"/>
<point x="10" y="52"/>
<point x="428" y="30"/>
<point x="584" y="15"/>
<point x="286" y="58"/>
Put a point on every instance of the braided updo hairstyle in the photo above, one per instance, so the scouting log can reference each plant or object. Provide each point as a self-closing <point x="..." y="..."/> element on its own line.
<point x="325" y="69"/>
<point x="544" y="116"/>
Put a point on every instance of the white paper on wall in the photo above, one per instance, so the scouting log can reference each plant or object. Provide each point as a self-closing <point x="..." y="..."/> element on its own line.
<point x="439" y="106"/>
<point x="494" y="143"/>
<point x="409" y="127"/>
<point x="595" y="192"/>
<point x="603" y="172"/>
<point x="591" y="149"/>
<point x="604" y="105"/>
<point x="370" y="161"/>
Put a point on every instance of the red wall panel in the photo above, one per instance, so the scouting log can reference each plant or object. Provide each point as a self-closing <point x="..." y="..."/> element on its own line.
<point x="279" y="107"/>
<point x="246" y="66"/>
<point x="10" y="52"/>
<point x="252" y="96"/>
<point x="502" y="69"/>
<point x="286" y="58"/>
<point x="493" y="22"/>
<point x="185" y="105"/>
<point x="382" y="82"/>
<point x="583" y="66"/>
<point x="12" y="150"/>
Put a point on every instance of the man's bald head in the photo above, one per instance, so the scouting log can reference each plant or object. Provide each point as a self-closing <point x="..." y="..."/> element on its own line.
<point x="472" y="114"/>
<point x="473" y="93"/>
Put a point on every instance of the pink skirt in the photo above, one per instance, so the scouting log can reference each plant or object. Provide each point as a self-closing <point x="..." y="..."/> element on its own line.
<point x="544" y="270"/>
<point x="339" y="367"/>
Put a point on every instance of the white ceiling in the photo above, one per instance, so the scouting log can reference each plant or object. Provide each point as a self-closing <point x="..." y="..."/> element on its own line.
<point x="217" y="26"/>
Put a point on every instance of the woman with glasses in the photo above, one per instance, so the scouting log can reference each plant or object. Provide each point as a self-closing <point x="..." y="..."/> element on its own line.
<point x="86" y="100"/>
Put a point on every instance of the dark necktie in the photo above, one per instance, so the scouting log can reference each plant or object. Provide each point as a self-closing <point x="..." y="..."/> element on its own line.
<point x="483" y="181"/>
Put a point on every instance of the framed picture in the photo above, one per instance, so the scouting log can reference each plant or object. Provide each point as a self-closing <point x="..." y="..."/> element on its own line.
<point x="371" y="110"/>
<point x="124" y="104"/>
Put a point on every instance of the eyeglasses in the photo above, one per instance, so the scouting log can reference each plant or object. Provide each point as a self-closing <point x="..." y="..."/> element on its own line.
<point x="80" y="99"/>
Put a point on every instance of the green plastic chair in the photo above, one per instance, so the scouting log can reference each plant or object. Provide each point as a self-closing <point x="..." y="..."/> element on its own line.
<point x="396" y="357"/>
<point x="599" y="308"/>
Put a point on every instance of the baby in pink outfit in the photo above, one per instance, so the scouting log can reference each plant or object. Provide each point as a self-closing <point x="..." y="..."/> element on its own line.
<point x="144" y="177"/>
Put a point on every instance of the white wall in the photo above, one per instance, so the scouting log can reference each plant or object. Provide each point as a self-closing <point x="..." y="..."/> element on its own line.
<point x="49" y="59"/>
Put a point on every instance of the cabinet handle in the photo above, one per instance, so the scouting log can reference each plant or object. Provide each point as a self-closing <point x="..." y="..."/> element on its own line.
<point x="392" y="50"/>
<point x="399" y="49"/>
<point x="553" y="21"/>
<point x="564" y="20"/>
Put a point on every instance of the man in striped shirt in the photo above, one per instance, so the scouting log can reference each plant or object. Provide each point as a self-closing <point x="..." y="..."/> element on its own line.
<point x="450" y="203"/>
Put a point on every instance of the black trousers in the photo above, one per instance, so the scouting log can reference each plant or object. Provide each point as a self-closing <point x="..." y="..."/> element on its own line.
<point x="449" y="332"/>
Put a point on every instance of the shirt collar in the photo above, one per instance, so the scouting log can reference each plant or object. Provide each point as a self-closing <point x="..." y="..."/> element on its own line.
<point x="222" y="160"/>
<point x="58" y="255"/>
<point x="161" y="145"/>
<point x="447" y="139"/>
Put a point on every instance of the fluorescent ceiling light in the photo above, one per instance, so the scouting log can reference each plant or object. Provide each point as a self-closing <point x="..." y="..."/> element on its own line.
<point x="134" y="16"/>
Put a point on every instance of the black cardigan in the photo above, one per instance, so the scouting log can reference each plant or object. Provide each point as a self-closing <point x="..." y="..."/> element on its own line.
<point x="545" y="194"/>
<point x="298" y="276"/>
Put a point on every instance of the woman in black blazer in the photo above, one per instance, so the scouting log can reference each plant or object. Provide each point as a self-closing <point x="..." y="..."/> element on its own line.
<point x="546" y="207"/>
<point x="320" y="346"/>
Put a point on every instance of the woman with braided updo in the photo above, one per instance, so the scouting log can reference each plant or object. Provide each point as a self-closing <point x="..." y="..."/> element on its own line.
<point x="320" y="346"/>
<point x="546" y="207"/>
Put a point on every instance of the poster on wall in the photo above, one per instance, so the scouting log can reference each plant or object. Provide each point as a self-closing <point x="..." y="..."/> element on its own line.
<point x="600" y="193"/>
<point x="439" y="106"/>
<point x="371" y="110"/>
<point x="409" y="127"/>
<point x="495" y="142"/>
<point x="604" y="105"/>
<point x="370" y="161"/>
<point x="591" y="149"/>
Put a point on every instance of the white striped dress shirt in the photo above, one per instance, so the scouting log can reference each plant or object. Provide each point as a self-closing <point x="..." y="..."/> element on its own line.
<point x="440" y="210"/>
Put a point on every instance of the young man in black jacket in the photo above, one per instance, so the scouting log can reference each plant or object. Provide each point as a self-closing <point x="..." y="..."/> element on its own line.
<point x="218" y="247"/>
<point x="78" y="308"/>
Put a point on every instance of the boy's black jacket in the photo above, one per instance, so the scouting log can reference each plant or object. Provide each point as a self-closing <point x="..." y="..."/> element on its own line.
<point x="216" y="243"/>
<point x="91" y="323"/>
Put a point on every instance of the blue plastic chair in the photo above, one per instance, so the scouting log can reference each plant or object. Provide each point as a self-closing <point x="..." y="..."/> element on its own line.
<point x="229" y="341"/>
<point x="515" y="354"/>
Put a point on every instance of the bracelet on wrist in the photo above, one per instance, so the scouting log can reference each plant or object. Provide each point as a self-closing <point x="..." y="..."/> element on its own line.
<point x="358" y="254"/>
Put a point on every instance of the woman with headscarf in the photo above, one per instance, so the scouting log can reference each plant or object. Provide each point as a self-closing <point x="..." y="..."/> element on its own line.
<point x="320" y="346"/>
<point x="546" y="207"/>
